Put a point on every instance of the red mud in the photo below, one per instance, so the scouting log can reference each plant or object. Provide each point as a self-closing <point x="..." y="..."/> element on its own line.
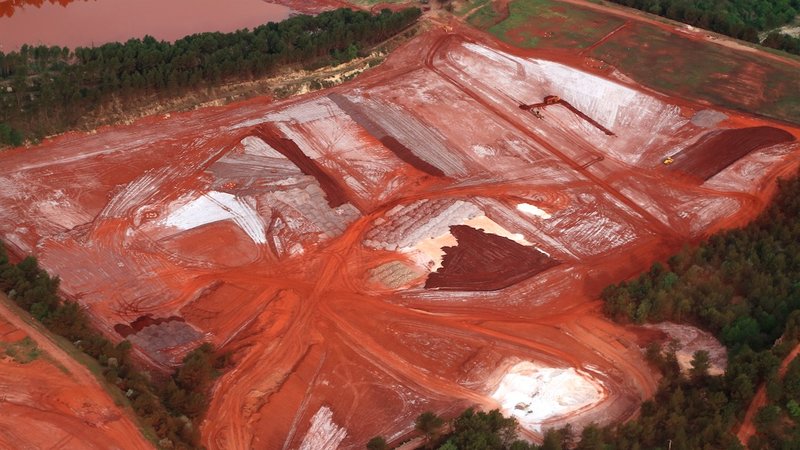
<point x="127" y="217"/>
<point x="289" y="149"/>
<point x="486" y="262"/>
<point x="402" y="152"/>
<point x="144" y="321"/>
<point x="53" y="401"/>
<point x="408" y="156"/>
<point x="719" y="149"/>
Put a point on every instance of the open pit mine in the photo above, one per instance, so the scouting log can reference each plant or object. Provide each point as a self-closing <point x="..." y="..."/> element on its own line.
<point x="430" y="236"/>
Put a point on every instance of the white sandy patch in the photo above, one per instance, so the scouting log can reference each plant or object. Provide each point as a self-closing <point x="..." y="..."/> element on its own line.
<point x="215" y="207"/>
<point x="324" y="434"/>
<point x="256" y="147"/>
<point x="533" y="393"/>
<point x="59" y="210"/>
<point x="532" y="210"/>
<point x="484" y="151"/>
<point x="429" y="252"/>
<point x="620" y="108"/>
<point x="692" y="339"/>
<point x="490" y="226"/>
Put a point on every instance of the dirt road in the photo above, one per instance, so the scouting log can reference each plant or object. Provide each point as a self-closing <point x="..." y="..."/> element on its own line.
<point x="747" y="429"/>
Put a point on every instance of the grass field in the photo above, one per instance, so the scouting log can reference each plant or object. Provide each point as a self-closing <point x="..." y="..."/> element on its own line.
<point x="549" y="24"/>
<point x="485" y="17"/>
<point x="654" y="57"/>
<point x="468" y="5"/>
<point x="23" y="351"/>
<point x="704" y="71"/>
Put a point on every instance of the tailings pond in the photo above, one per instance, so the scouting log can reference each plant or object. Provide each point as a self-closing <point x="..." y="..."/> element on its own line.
<point x="85" y="23"/>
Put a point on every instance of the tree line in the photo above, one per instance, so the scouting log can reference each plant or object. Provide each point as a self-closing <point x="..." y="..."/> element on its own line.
<point x="171" y="408"/>
<point x="44" y="90"/>
<point x="742" y="285"/>
<point x="741" y="19"/>
<point x="475" y="430"/>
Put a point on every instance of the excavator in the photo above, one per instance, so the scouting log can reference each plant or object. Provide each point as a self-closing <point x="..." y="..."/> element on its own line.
<point x="668" y="160"/>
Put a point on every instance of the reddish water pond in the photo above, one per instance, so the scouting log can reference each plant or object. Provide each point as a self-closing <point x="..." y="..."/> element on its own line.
<point x="85" y="23"/>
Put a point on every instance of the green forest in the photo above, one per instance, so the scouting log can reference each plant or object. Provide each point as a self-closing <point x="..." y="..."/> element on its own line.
<point x="742" y="19"/>
<point x="743" y="285"/>
<point x="171" y="408"/>
<point x="45" y="90"/>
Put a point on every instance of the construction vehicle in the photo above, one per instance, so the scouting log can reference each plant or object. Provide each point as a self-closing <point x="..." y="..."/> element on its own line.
<point x="552" y="100"/>
<point x="668" y="160"/>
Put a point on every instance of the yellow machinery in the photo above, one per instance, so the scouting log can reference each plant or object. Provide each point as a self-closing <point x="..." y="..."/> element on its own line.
<point x="669" y="160"/>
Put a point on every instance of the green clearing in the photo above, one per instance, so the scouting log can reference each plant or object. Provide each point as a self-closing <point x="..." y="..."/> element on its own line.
<point x="704" y="71"/>
<point x="469" y="5"/>
<point x="22" y="351"/>
<point x="552" y="25"/>
<point x="656" y="58"/>
<point x="484" y="17"/>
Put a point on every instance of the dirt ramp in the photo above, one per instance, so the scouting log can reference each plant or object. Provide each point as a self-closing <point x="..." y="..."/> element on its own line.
<point x="486" y="262"/>
<point x="390" y="142"/>
<point x="717" y="150"/>
<point x="289" y="149"/>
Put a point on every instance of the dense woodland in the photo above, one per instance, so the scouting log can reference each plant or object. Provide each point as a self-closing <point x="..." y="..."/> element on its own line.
<point x="44" y="90"/>
<point x="742" y="285"/>
<point x="742" y="19"/>
<point x="171" y="408"/>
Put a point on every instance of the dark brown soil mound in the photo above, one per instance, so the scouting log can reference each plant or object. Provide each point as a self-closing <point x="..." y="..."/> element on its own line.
<point x="289" y="149"/>
<point x="486" y="262"/>
<point x="719" y="149"/>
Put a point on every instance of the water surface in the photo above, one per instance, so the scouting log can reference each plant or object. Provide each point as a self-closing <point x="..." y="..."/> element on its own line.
<point x="93" y="22"/>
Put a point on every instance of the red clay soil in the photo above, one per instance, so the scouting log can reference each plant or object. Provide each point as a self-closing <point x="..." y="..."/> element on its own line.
<point x="53" y="401"/>
<point x="390" y="142"/>
<point x="486" y="262"/>
<point x="288" y="148"/>
<point x="408" y="156"/>
<point x="719" y="149"/>
<point x="124" y="217"/>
